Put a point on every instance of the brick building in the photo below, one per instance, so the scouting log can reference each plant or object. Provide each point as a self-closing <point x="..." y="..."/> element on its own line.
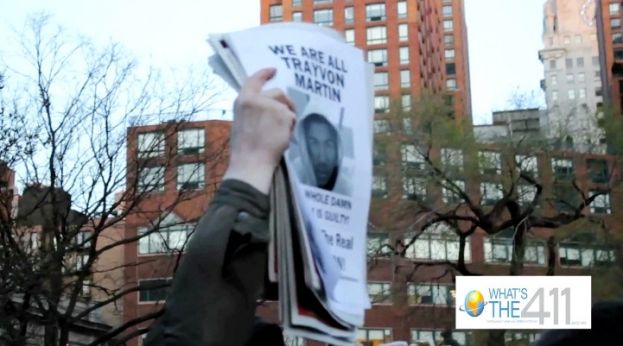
<point x="174" y="169"/>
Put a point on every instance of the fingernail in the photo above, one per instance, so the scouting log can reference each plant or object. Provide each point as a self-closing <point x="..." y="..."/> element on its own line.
<point x="271" y="72"/>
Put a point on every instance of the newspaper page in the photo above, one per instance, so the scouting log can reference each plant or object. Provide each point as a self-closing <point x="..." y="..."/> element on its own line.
<point x="329" y="160"/>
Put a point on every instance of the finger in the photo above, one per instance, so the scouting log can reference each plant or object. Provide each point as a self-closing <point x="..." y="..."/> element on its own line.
<point x="255" y="82"/>
<point x="280" y="96"/>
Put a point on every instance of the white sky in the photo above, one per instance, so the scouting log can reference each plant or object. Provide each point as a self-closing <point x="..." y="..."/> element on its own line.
<point x="504" y="36"/>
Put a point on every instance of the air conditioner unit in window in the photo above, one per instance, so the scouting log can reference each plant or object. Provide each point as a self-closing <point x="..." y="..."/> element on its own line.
<point x="194" y="185"/>
<point x="426" y="299"/>
<point x="191" y="151"/>
<point x="376" y="18"/>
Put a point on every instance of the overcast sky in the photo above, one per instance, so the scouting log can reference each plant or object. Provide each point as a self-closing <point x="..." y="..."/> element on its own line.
<point x="504" y="36"/>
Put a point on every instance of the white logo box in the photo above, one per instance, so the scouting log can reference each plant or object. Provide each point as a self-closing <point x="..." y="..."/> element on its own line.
<point x="524" y="302"/>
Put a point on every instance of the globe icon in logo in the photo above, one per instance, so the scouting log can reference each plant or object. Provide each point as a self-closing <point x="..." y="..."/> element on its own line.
<point x="474" y="303"/>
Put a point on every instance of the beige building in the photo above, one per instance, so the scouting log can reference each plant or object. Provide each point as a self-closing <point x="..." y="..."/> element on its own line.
<point x="572" y="81"/>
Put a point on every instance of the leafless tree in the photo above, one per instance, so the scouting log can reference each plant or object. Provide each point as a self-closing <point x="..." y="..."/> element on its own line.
<point x="64" y="132"/>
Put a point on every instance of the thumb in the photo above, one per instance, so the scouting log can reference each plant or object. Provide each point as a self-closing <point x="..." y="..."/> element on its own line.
<point x="256" y="81"/>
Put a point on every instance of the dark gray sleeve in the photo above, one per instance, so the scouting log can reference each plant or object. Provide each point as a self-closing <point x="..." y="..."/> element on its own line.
<point x="214" y="293"/>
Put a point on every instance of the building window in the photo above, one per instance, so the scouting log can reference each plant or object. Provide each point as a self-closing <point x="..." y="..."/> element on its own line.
<point x="376" y="35"/>
<point x="276" y="13"/>
<point x="320" y="2"/>
<point x="571" y="94"/>
<point x="582" y="93"/>
<point x="581" y="77"/>
<point x="151" y="179"/>
<point x="554" y="96"/>
<point x="379" y="186"/>
<point x="382" y="126"/>
<point x="613" y="8"/>
<point x="573" y="254"/>
<point x="297" y="16"/>
<point x="381" y="104"/>
<point x="411" y="157"/>
<point x="439" y="337"/>
<point x="552" y="64"/>
<point x="150" y="144"/>
<point x="378" y="57"/>
<point x="615" y="23"/>
<point x="405" y="102"/>
<point x="403" y="32"/>
<point x="323" y="17"/>
<point x="448" y="40"/>
<point x="437" y="242"/>
<point x="447" y="11"/>
<point x="448" y="25"/>
<point x="431" y="294"/>
<point x="566" y="40"/>
<point x="407" y="125"/>
<point x="451" y="84"/>
<point x="378" y="155"/>
<point x="451" y="194"/>
<point x="81" y="262"/>
<point x="293" y="340"/>
<point x="380" y="292"/>
<point x="568" y="63"/>
<point x="490" y="193"/>
<point x="526" y="194"/>
<point x="166" y="239"/>
<point x="562" y="168"/>
<point x="375" y="12"/>
<point x="579" y="62"/>
<point x="569" y="77"/>
<point x="452" y="158"/>
<point x="83" y="239"/>
<point x="296" y="3"/>
<point x="601" y="203"/>
<point x="191" y="176"/>
<point x="153" y="290"/>
<point x="349" y="36"/>
<point x="404" y="55"/>
<point x="499" y="249"/>
<point x="402" y="9"/>
<point x="381" y="80"/>
<point x="349" y="15"/>
<point x="405" y="78"/>
<point x="449" y="54"/>
<point x="598" y="170"/>
<point x="553" y="80"/>
<point x="489" y="162"/>
<point x="190" y="141"/>
<point x="373" y="336"/>
<point x="617" y="38"/>
<point x="595" y="61"/>
<point x="450" y="69"/>
<point x="618" y="54"/>
<point x="414" y="188"/>
<point x="379" y="245"/>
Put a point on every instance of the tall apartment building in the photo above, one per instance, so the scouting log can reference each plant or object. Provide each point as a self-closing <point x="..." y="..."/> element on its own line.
<point x="416" y="45"/>
<point x="608" y="17"/>
<point x="572" y="73"/>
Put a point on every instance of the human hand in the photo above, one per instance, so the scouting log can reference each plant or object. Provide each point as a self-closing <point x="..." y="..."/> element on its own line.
<point x="261" y="131"/>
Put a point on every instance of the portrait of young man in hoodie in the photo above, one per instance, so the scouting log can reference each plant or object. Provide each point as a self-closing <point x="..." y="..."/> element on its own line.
<point x="319" y="151"/>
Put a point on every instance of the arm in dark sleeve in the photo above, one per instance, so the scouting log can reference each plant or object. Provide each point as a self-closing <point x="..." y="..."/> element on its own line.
<point x="214" y="293"/>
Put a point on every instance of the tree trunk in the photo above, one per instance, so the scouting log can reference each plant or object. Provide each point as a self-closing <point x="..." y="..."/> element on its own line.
<point x="518" y="251"/>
